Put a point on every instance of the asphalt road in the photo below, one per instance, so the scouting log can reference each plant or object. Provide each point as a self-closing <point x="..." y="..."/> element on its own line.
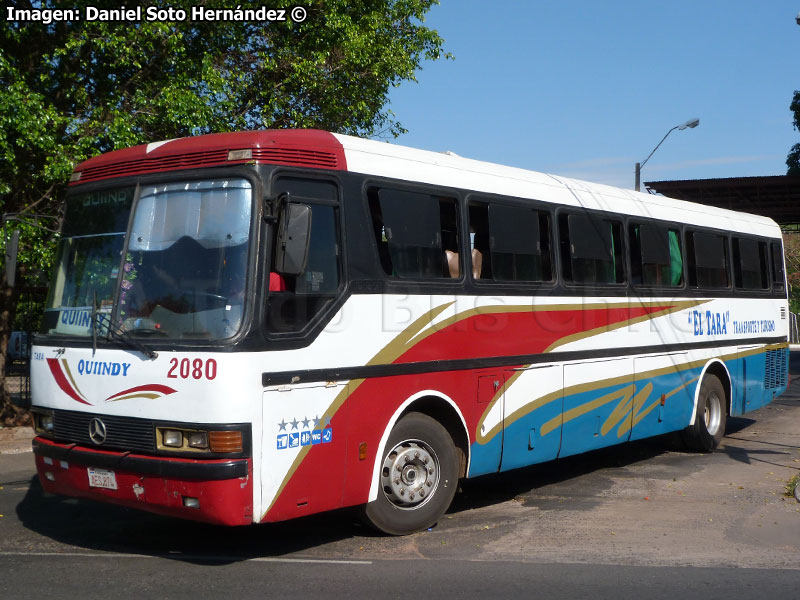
<point x="642" y="520"/>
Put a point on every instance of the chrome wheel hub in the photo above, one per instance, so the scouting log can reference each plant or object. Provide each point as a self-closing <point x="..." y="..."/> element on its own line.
<point x="713" y="414"/>
<point x="410" y="474"/>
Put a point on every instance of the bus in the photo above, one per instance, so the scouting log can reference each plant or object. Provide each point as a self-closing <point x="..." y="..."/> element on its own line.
<point x="256" y="326"/>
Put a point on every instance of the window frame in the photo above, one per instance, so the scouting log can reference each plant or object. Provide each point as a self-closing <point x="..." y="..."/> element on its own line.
<point x="372" y="186"/>
<point x="767" y="264"/>
<point x="620" y="220"/>
<point x="775" y="284"/>
<point x="477" y="198"/>
<point x="691" y="258"/>
<point x="313" y="325"/>
<point x="669" y="226"/>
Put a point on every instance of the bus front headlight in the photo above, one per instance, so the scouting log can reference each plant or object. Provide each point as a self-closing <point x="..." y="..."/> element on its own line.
<point x="198" y="439"/>
<point x="172" y="438"/>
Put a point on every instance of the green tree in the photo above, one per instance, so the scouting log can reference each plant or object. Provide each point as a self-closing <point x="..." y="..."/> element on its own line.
<point x="72" y="89"/>
<point x="793" y="160"/>
<point x="791" y="251"/>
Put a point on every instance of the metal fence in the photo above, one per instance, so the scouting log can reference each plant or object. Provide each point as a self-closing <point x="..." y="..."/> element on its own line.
<point x="18" y="380"/>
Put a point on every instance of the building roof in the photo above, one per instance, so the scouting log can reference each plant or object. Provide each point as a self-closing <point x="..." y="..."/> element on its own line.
<point x="777" y="197"/>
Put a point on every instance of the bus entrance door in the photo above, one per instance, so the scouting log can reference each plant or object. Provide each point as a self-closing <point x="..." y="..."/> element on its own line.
<point x="303" y="449"/>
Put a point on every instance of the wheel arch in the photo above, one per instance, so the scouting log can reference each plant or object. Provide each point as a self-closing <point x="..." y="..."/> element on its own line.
<point x="438" y="406"/>
<point x="718" y="368"/>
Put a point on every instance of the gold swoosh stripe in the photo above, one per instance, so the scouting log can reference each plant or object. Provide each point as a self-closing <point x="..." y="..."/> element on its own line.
<point x="150" y="396"/>
<point x="482" y="438"/>
<point x="676" y="307"/>
<point x="388" y="354"/>
<point x="613" y="381"/>
<point x="71" y="378"/>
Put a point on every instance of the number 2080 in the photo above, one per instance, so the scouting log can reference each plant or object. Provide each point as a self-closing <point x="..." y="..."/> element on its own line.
<point x="195" y="369"/>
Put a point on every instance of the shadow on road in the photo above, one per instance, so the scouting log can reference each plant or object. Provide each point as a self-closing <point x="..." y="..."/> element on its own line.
<point x="578" y="478"/>
<point x="104" y="527"/>
<point x="109" y="528"/>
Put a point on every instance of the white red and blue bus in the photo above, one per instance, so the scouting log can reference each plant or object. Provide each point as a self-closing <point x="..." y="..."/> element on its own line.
<point x="256" y="326"/>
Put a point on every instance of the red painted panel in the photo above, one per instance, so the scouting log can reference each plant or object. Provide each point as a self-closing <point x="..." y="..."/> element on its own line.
<point x="225" y="502"/>
<point x="294" y="147"/>
<point x="374" y="402"/>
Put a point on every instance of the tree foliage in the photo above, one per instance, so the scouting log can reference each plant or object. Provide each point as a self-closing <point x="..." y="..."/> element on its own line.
<point x="73" y="89"/>
<point x="793" y="160"/>
<point x="791" y="251"/>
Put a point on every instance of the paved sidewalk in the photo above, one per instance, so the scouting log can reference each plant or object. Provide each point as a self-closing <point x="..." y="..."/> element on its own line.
<point x="15" y="440"/>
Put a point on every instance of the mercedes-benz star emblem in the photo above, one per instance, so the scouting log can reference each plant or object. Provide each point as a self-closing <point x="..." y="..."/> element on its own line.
<point x="97" y="431"/>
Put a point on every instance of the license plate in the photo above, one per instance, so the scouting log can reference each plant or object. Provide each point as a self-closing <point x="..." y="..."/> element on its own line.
<point x="101" y="478"/>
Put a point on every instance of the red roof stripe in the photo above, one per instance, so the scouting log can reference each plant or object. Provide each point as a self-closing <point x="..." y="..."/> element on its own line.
<point x="293" y="147"/>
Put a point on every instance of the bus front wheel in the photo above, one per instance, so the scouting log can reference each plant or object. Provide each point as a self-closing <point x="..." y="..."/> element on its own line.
<point x="709" y="420"/>
<point x="417" y="477"/>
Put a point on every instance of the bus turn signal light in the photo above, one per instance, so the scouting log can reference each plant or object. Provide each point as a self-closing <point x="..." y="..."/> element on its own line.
<point x="225" y="441"/>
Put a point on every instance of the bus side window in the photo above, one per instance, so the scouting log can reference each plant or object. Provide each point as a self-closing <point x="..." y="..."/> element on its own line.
<point x="416" y="233"/>
<point x="656" y="257"/>
<point x="591" y="249"/>
<point x="708" y="260"/>
<point x="512" y="243"/>
<point x="750" y="264"/>
<point x="778" y="277"/>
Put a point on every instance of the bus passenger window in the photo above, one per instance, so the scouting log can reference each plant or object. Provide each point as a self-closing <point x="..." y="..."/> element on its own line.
<point x="708" y="260"/>
<point x="510" y="243"/>
<point x="777" y="266"/>
<point x="591" y="249"/>
<point x="750" y="264"/>
<point x="656" y="258"/>
<point x="416" y="234"/>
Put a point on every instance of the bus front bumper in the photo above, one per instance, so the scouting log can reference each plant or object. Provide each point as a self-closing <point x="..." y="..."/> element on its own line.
<point x="212" y="491"/>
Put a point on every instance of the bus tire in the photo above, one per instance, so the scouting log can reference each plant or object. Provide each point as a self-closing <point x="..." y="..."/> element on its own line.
<point x="709" y="420"/>
<point x="417" y="477"/>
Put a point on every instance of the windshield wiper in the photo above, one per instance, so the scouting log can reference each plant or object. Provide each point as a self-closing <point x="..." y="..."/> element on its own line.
<point x="122" y="336"/>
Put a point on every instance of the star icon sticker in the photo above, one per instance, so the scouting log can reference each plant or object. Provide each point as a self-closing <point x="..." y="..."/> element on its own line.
<point x="316" y="422"/>
<point x="294" y="423"/>
<point x="305" y="422"/>
<point x="326" y="421"/>
<point x="282" y="425"/>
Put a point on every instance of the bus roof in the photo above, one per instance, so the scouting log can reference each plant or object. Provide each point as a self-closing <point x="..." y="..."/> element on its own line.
<point x="320" y="149"/>
<point x="447" y="169"/>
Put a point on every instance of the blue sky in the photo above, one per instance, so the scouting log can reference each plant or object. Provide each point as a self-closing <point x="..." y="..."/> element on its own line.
<point x="588" y="88"/>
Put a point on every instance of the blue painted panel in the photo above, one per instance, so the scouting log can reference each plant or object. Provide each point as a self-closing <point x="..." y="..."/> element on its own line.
<point x="663" y="403"/>
<point x="485" y="457"/>
<point x="535" y="436"/>
<point x="592" y="419"/>
<point x="596" y="418"/>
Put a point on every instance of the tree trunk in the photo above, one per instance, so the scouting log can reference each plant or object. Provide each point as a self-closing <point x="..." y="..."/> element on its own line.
<point x="10" y="415"/>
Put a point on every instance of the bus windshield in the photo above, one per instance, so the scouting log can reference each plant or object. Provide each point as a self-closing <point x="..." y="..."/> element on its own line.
<point x="181" y="274"/>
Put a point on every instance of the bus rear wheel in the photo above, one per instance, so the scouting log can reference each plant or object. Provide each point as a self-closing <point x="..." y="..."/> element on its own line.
<point x="709" y="420"/>
<point x="417" y="477"/>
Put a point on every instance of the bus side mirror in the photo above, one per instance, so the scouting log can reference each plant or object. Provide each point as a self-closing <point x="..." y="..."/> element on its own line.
<point x="12" y="246"/>
<point x="294" y="234"/>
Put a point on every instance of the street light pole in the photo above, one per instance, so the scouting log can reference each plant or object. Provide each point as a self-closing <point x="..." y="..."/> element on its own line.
<point x="690" y="124"/>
